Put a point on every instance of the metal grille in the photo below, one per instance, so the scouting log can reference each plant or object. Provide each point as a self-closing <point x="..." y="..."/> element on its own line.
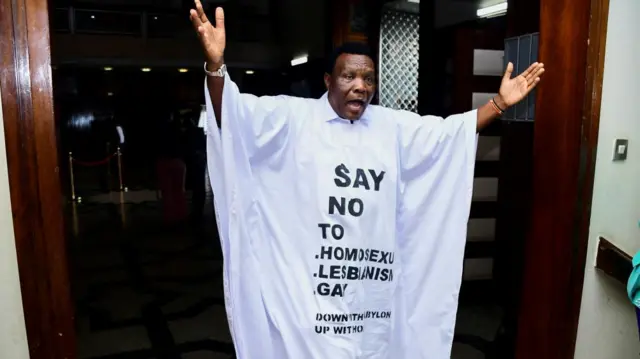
<point x="399" y="54"/>
<point x="522" y="51"/>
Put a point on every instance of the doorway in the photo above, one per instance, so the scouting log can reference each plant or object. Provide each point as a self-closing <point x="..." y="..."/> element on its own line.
<point x="27" y="95"/>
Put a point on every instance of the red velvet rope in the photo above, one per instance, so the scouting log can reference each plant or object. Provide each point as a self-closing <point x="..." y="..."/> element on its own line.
<point x="94" y="163"/>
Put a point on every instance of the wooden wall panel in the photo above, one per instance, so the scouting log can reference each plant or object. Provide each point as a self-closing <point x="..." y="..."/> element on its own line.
<point x="516" y="172"/>
<point x="25" y="80"/>
<point x="572" y="43"/>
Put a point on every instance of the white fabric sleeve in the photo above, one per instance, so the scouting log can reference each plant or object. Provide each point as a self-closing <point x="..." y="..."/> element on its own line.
<point x="426" y="139"/>
<point x="258" y="121"/>
<point x="250" y="126"/>
<point x="437" y="160"/>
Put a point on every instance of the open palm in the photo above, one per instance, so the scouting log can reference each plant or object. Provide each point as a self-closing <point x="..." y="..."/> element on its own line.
<point x="212" y="38"/>
<point x="513" y="90"/>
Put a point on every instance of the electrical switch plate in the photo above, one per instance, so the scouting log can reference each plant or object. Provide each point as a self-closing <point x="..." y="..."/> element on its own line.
<point x="620" y="149"/>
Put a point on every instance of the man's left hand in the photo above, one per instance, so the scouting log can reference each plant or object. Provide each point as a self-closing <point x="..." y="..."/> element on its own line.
<point x="513" y="90"/>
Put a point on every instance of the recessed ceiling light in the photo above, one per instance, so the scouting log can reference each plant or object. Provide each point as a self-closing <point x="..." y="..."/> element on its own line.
<point x="299" y="60"/>
<point x="108" y="68"/>
<point x="155" y="18"/>
<point x="109" y="93"/>
<point x="493" y="11"/>
<point x="93" y="16"/>
<point x="249" y="72"/>
<point x="183" y="70"/>
<point x="146" y="69"/>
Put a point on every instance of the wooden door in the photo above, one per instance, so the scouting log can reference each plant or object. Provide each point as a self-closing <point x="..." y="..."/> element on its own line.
<point x="27" y="104"/>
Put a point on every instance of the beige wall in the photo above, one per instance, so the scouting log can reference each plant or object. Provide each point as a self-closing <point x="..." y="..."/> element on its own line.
<point x="13" y="337"/>
<point x="607" y="328"/>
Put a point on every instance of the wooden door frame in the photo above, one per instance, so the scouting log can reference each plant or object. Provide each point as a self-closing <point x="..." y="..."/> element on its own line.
<point x="566" y="129"/>
<point x="572" y="46"/>
<point x="36" y="201"/>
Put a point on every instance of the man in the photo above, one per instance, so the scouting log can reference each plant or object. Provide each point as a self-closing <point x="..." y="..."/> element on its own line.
<point x="342" y="224"/>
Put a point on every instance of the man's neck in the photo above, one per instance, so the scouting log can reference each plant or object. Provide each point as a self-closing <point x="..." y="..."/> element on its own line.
<point x="333" y="106"/>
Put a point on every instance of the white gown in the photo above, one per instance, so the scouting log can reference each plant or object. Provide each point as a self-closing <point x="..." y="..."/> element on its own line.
<point x="340" y="240"/>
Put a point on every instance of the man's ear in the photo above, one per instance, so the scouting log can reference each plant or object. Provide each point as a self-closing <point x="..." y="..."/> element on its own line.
<point x="327" y="81"/>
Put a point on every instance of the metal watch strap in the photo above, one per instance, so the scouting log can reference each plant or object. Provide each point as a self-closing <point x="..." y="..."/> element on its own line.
<point x="218" y="73"/>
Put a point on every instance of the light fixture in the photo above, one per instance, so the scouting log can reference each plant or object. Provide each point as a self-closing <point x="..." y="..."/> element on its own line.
<point x="108" y="68"/>
<point x="93" y="16"/>
<point x="155" y="18"/>
<point x="109" y="93"/>
<point x="183" y="70"/>
<point x="249" y="72"/>
<point x="493" y="10"/>
<point x="299" y="60"/>
<point x="146" y="69"/>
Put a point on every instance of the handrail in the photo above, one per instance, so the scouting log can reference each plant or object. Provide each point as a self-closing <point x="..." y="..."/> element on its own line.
<point x="613" y="261"/>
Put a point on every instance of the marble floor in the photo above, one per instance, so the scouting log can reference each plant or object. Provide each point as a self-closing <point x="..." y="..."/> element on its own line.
<point x="148" y="291"/>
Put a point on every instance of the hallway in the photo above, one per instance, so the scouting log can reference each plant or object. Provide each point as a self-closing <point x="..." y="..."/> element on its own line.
<point x="148" y="292"/>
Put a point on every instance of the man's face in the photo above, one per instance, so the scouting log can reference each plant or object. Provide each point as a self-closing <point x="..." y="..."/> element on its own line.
<point x="351" y="85"/>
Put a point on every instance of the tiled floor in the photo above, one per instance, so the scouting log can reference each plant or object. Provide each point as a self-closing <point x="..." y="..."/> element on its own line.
<point x="152" y="292"/>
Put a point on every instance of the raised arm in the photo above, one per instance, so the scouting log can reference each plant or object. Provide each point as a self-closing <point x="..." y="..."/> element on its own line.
<point x="512" y="91"/>
<point x="213" y="40"/>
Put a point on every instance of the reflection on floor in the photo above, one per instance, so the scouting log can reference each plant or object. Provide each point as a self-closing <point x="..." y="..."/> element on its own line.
<point x="153" y="292"/>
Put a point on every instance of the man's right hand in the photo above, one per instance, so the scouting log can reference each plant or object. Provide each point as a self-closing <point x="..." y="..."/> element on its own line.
<point x="212" y="38"/>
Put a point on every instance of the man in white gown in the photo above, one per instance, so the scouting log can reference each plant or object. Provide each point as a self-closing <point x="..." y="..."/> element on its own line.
<point x="342" y="224"/>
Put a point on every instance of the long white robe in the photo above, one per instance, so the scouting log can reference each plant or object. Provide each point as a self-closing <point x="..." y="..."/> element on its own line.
<point x="341" y="240"/>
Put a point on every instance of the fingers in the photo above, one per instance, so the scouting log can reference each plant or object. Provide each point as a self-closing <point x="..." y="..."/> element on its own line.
<point x="529" y="69"/>
<point x="533" y="84"/>
<point x="195" y="20"/>
<point x="200" y="10"/>
<point x="533" y="78"/>
<point x="220" y="18"/>
<point x="508" y="71"/>
<point x="533" y="71"/>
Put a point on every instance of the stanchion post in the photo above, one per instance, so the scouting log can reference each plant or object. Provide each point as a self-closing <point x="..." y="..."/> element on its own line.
<point x="123" y="213"/>
<point x="76" y="223"/>
<point x="123" y="218"/>
<point x="120" y="169"/>
<point x="108" y="167"/>
<point x="73" y="186"/>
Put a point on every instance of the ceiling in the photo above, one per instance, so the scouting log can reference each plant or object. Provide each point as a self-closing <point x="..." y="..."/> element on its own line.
<point x="447" y="12"/>
<point x="450" y="12"/>
<point x="299" y="26"/>
<point x="256" y="6"/>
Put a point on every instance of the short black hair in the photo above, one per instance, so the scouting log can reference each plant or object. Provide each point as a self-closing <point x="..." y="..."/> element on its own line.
<point x="352" y="48"/>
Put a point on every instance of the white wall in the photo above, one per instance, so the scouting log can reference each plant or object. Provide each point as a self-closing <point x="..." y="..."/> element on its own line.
<point x="13" y="337"/>
<point x="607" y="328"/>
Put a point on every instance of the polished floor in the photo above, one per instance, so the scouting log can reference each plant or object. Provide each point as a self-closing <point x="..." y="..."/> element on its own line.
<point x="148" y="291"/>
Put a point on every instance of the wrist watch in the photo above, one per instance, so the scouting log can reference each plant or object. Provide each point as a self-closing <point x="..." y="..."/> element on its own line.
<point x="218" y="73"/>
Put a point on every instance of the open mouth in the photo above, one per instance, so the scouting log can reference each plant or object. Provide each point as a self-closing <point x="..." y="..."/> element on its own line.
<point x="355" y="105"/>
